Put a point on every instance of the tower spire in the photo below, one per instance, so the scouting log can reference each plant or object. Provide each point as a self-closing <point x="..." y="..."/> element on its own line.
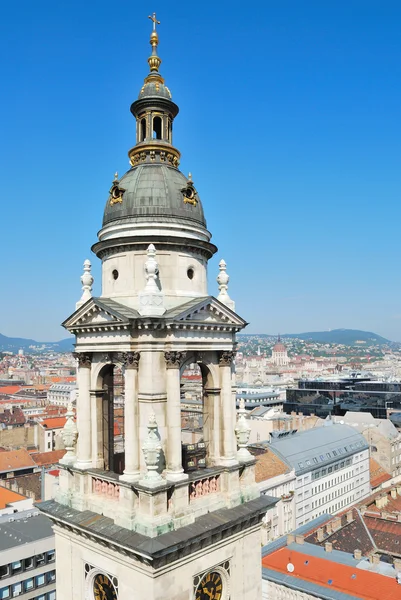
<point x="153" y="60"/>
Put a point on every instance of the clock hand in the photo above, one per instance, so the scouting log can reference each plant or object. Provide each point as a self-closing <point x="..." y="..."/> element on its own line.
<point x="209" y="593"/>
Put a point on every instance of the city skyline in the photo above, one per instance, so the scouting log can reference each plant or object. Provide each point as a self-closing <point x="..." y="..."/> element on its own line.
<point x="300" y="185"/>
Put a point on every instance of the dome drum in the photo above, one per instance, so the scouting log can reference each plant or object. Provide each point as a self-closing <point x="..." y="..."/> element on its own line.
<point x="157" y="153"/>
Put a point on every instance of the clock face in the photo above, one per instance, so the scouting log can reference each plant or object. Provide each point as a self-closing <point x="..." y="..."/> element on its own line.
<point x="210" y="587"/>
<point x="103" y="589"/>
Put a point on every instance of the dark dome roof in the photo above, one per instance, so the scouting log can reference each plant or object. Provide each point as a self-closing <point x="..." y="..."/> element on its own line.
<point x="154" y="89"/>
<point x="153" y="190"/>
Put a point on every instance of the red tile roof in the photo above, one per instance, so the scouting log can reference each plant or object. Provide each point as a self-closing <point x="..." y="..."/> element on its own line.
<point x="377" y="474"/>
<point x="10" y="389"/>
<point x="15" y="459"/>
<point x="7" y="496"/>
<point x="53" y="423"/>
<point x="46" y="459"/>
<point x="364" y="585"/>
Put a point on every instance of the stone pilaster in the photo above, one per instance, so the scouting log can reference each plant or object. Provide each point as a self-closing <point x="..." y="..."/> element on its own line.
<point x="84" y="425"/>
<point x="131" y="416"/>
<point x="174" y="468"/>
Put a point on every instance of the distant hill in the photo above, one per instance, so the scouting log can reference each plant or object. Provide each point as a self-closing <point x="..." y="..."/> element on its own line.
<point x="348" y="337"/>
<point x="10" y="344"/>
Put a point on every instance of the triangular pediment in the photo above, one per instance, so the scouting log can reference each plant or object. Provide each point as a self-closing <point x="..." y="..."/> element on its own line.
<point x="96" y="313"/>
<point x="209" y="311"/>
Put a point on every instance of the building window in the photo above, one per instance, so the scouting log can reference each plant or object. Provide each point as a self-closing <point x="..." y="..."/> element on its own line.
<point x="40" y="580"/>
<point x="5" y="592"/>
<point x="28" y="584"/>
<point x="51" y="555"/>
<point x="51" y="576"/>
<point x="51" y="596"/>
<point x="40" y="559"/>
<point x="4" y="571"/>
<point x="16" y="567"/>
<point x="28" y="563"/>
<point x="16" y="589"/>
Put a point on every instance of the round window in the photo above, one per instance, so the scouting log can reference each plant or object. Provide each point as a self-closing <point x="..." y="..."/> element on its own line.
<point x="115" y="274"/>
<point x="190" y="273"/>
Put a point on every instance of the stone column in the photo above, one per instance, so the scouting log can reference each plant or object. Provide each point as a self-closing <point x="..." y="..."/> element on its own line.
<point x="228" y="410"/>
<point x="131" y="417"/>
<point x="84" y="449"/>
<point x="97" y="428"/>
<point x="174" y="468"/>
<point x="212" y="397"/>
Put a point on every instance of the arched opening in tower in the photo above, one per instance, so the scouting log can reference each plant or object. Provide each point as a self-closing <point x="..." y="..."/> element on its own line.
<point x="111" y="427"/>
<point x="157" y="128"/>
<point x="143" y="130"/>
<point x="196" y="418"/>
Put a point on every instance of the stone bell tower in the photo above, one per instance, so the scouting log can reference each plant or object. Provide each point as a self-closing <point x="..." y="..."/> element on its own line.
<point x="148" y="516"/>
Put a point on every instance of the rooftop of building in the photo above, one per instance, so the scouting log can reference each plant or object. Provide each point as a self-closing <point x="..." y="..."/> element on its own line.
<point x="318" y="446"/>
<point x="47" y="459"/>
<point x="378" y="475"/>
<point x="27" y="526"/>
<point x="8" y="496"/>
<point x="328" y="574"/>
<point x="15" y="460"/>
<point x="372" y="526"/>
<point x="269" y="465"/>
<point x="53" y="422"/>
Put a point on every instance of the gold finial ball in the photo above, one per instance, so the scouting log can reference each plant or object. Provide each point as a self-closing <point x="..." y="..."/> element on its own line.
<point x="154" y="38"/>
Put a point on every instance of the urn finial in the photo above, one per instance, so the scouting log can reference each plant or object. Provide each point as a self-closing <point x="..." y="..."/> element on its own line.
<point x="87" y="282"/>
<point x="223" y="279"/>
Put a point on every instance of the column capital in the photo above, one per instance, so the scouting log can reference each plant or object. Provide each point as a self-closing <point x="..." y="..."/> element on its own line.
<point x="174" y="359"/>
<point x="131" y="360"/>
<point x="84" y="359"/>
<point x="226" y="358"/>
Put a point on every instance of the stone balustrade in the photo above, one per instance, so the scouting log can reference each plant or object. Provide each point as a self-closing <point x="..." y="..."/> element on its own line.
<point x="205" y="486"/>
<point x="106" y="489"/>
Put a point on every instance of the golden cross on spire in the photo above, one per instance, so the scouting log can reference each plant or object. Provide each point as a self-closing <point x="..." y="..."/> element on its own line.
<point x="155" y="21"/>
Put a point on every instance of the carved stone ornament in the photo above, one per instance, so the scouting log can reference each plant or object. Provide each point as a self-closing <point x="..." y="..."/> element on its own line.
<point x="174" y="359"/>
<point x="151" y="300"/>
<point x="242" y="433"/>
<point x="226" y="358"/>
<point x="84" y="359"/>
<point x="151" y="449"/>
<point x="87" y="283"/>
<point x="131" y="360"/>
<point x="223" y="279"/>
<point x="69" y="436"/>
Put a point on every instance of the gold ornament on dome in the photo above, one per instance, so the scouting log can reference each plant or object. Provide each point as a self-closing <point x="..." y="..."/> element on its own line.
<point x="189" y="192"/>
<point x="116" y="192"/>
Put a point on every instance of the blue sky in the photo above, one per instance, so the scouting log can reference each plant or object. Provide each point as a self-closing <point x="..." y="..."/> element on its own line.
<point x="289" y="122"/>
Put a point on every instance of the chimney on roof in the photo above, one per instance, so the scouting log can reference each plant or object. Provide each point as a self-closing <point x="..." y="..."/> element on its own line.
<point x="290" y="539"/>
<point x="357" y="554"/>
<point x="394" y="493"/>
<point x="350" y="516"/>
<point x="336" y="524"/>
<point x="374" y="559"/>
<point x="329" y="529"/>
<point x="300" y="539"/>
<point x="399" y="490"/>
<point x="363" y="509"/>
<point x="381" y="501"/>
<point x="328" y="547"/>
<point x="320" y="534"/>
